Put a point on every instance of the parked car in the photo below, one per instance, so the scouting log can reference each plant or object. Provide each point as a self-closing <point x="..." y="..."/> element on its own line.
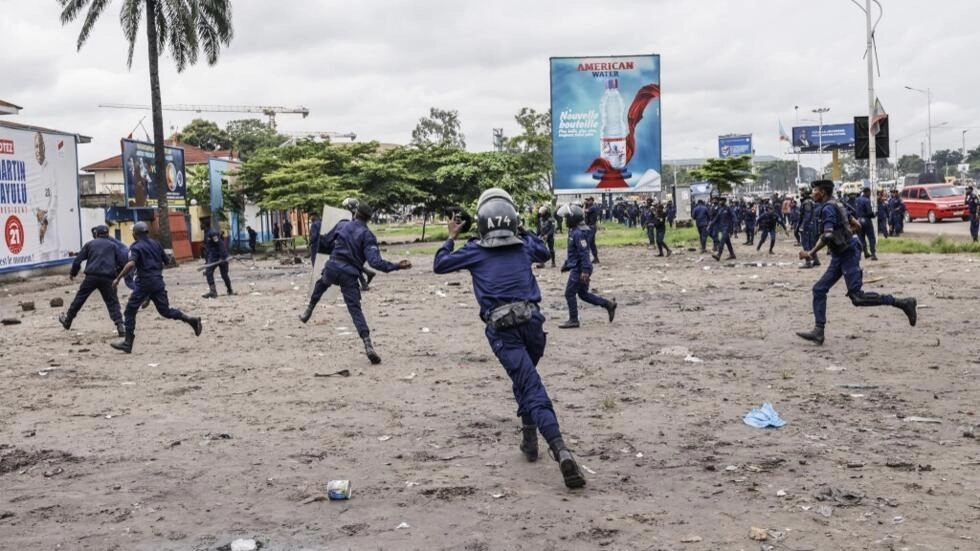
<point x="934" y="202"/>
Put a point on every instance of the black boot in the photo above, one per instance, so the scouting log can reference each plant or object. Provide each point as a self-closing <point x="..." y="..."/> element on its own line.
<point x="566" y="462"/>
<point x="212" y="292"/>
<point x="611" y="309"/>
<point x="65" y="321"/>
<point x="908" y="305"/>
<point x="230" y="292"/>
<point x="815" y="335"/>
<point x="529" y="444"/>
<point x="126" y="345"/>
<point x="369" y="350"/>
<point x="305" y="316"/>
<point x="570" y="324"/>
<point x="193" y="322"/>
<point x="121" y="329"/>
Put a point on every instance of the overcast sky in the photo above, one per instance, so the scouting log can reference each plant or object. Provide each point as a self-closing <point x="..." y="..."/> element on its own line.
<point x="375" y="66"/>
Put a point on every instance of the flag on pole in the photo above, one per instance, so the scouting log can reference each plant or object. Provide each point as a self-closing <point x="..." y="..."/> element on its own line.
<point x="783" y="136"/>
<point x="877" y="115"/>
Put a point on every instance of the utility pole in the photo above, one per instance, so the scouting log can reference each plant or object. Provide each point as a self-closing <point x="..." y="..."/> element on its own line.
<point x="872" y="145"/>
<point x="928" y="94"/>
<point x="820" y="111"/>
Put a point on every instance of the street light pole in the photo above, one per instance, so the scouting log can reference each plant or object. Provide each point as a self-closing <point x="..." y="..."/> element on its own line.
<point x="820" y="111"/>
<point x="963" y="150"/>
<point x="928" y="93"/>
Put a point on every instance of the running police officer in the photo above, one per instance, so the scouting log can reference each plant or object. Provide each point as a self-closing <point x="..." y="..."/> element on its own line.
<point x="579" y="268"/>
<point x="103" y="260"/>
<point x="837" y="228"/>
<point x="146" y="256"/>
<point x="350" y="244"/>
<point x="499" y="262"/>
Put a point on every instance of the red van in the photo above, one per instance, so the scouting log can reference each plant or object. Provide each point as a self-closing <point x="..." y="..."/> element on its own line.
<point x="934" y="202"/>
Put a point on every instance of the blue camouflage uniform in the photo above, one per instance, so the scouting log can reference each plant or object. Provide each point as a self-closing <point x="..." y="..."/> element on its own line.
<point x="576" y="264"/>
<point x="701" y="219"/>
<point x="150" y="259"/>
<point x="723" y="224"/>
<point x="882" y="215"/>
<point x="503" y="276"/>
<point x="103" y="260"/>
<point x="808" y="227"/>
<point x="216" y="251"/>
<point x="768" y="220"/>
<point x="592" y="221"/>
<point x="844" y="262"/>
<point x="865" y="214"/>
<point x="748" y="217"/>
<point x="351" y="244"/>
<point x="896" y="215"/>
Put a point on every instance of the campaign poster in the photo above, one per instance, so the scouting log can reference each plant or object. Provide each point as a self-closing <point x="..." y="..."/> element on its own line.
<point x="605" y="123"/>
<point x="38" y="197"/>
<point x="828" y="136"/>
<point x="139" y="174"/>
<point x="734" y="146"/>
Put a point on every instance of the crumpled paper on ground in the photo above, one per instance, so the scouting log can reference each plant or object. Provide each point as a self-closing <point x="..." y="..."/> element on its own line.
<point x="763" y="417"/>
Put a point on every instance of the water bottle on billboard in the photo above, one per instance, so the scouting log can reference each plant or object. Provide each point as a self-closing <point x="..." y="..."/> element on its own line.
<point x="613" y="131"/>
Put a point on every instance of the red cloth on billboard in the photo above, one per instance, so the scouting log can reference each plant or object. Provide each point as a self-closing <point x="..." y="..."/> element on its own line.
<point x="611" y="177"/>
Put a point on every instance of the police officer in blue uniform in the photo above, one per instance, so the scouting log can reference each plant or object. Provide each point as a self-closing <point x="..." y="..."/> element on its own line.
<point x="216" y="254"/>
<point x="367" y="274"/>
<point x="579" y="268"/>
<point x="748" y="216"/>
<point x="146" y="256"/>
<point x="701" y="219"/>
<point x="103" y="260"/>
<point x="768" y="220"/>
<point x="314" y="237"/>
<point x="807" y="229"/>
<point x="973" y="205"/>
<point x="592" y="212"/>
<point x="837" y="228"/>
<point x="882" y="214"/>
<point x="896" y="214"/>
<point x="865" y="214"/>
<point x="499" y="262"/>
<point x="546" y="231"/>
<point x="724" y="224"/>
<point x="350" y="244"/>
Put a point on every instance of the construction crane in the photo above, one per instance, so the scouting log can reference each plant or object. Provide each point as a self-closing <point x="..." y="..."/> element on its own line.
<point x="267" y="110"/>
<point x="321" y="134"/>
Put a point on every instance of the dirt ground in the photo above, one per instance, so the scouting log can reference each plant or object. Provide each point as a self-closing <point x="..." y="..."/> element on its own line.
<point x="191" y="443"/>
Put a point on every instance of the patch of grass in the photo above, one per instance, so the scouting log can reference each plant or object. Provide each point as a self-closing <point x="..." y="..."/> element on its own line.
<point x="938" y="245"/>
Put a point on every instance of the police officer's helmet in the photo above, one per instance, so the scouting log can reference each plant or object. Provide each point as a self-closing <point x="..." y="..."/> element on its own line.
<point x="544" y="211"/>
<point x="350" y="204"/>
<point x="100" y="231"/>
<point x="574" y="214"/>
<point x="497" y="221"/>
<point x="493" y="193"/>
<point x="141" y="228"/>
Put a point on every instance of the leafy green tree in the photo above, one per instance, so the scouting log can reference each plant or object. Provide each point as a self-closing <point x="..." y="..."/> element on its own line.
<point x="781" y="174"/>
<point x="725" y="173"/>
<point x="182" y="27"/>
<point x="204" y="134"/>
<point x="250" y="135"/>
<point x="532" y="148"/>
<point x="440" y="129"/>
<point x="911" y="164"/>
<point x="946" y="160"/>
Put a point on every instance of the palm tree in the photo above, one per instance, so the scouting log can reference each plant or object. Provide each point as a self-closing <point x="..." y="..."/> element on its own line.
<point x="184" y="27"/>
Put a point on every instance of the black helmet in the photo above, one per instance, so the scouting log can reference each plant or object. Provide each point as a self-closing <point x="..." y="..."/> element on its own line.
<point x="141" y="228"/>
<point x="100" y="231"/>
<point x="497" y="221"/>
<point x="573" y="214"/>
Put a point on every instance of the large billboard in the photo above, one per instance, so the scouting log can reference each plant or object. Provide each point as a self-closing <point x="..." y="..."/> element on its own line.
<point x="734" y="146"/>
<point x="829" y="136"/>
<point x="38" y="197"/>
<point x="139" y="173"/>
<point x="605" y="123"/>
